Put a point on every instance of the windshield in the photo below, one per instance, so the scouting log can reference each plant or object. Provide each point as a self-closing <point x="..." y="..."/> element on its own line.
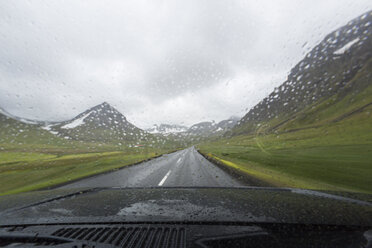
<point x="126" y="94"/>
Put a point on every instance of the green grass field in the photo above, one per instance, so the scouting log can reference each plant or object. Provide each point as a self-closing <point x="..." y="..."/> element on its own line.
<point x="25" y="171"/>
<point x="331" y="157"/>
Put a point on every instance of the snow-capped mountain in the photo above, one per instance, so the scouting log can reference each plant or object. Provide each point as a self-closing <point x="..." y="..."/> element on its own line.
<point x="100" y="123"/>
<point x="333" y="70"/>
<point x="166" y="129"/>
<point x="204" y="129"/>
<point x="103" y="123"/>
<point x="227" y="124"/>
<point x="209" y="128"/>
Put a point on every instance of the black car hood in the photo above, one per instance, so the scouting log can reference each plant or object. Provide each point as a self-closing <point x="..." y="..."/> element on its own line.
<point x="246" y="204"/>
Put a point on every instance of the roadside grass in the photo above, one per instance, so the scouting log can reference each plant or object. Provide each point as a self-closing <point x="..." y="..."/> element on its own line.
<point x="335" y="156"/>
<point x="11" y="157"/>
<point x="35" y="159"/>
<point x="313" y="168"/>
<point x="32" y="171"/>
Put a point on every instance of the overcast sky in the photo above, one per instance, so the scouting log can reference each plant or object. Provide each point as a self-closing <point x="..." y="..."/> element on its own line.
<point x="156" y="61"/>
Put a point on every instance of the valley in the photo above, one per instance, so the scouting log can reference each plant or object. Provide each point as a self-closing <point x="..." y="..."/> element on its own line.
<point x="313" y="131"/>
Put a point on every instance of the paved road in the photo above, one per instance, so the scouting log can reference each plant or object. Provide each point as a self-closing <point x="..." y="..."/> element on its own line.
<point x="182" y="168"/>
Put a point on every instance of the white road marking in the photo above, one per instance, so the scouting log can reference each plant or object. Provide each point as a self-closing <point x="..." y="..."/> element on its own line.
<point x="164" y="178"/>
<point x="179" y="160"/>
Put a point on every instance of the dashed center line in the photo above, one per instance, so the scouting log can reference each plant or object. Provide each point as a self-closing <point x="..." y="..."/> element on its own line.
<point x="179" y="160"/>
<point x="164" y="178"/>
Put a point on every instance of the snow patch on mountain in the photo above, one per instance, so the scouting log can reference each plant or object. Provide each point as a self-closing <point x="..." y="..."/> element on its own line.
<point x="166" y="129"/>
<point x="174" y="130"/>
<point x="49" y="129"/>
<point x="77" y="122"/>
<point x="346" y="47"/>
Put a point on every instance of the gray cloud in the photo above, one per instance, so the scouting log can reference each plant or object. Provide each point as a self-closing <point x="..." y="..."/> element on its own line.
<point x="156" y="61"/>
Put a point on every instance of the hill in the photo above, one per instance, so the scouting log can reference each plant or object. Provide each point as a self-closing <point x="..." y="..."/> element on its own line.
<point x="315" y="130"/>
<point x="210" y="128"/>
<point x="321" y="88"/>
<point x="34" y="155"/>
<point x="17" y="132"/>
<point x="101" y="127"/>
<point x="101" y="123"/>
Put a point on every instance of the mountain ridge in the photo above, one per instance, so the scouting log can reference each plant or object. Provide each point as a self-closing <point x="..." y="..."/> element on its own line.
<point x="211" y="128"/>
<point x="166" y="129"/>
<point x="98" y="123"/>
<point x="326" y="71"/>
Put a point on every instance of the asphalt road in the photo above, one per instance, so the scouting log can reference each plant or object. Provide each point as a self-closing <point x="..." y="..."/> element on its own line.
<point x="183" y="168"/>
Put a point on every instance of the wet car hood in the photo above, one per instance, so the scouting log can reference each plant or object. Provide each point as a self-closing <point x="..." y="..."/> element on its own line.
<point x="246" y="204"/>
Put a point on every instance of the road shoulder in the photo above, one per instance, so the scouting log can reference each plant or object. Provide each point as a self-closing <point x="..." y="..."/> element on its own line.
<point x="236" y="173"/>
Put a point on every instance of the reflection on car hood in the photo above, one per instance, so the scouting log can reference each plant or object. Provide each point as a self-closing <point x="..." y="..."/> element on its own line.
<point x="247" y="204"/>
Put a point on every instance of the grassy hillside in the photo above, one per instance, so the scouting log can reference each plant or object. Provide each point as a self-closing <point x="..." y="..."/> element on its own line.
<point x="14" y="133"/>
<point x="285" y="163"/>
<point x="334" y="156"/>
<point x="328" y="145"/>
<point x="324" y="77"/>
<point x="315" y="130"/>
